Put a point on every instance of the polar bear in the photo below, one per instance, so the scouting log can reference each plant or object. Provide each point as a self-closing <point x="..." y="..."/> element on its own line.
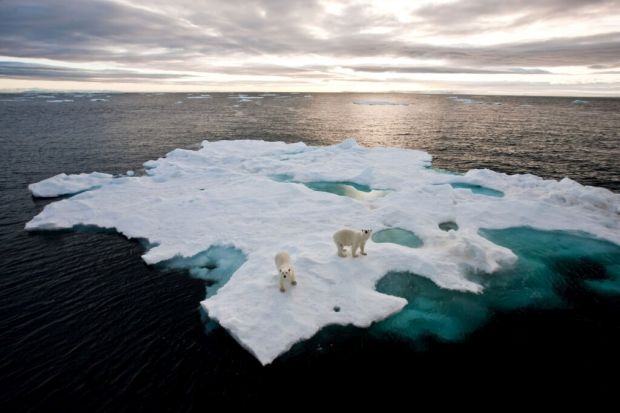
<point x="285" y="268"/>
<point x="356" y="239"/>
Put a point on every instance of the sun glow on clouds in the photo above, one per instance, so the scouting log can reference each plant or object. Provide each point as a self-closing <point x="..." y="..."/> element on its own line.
<point x="482" y="46"/>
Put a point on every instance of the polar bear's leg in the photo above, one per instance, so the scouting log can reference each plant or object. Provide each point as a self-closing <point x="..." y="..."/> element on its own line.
<point x="362" y="246"/>
<point x="282" y="289"/>
<point x="354" y="248"/>
<point x="341" y="251"/>
<point x="293" y="279"/>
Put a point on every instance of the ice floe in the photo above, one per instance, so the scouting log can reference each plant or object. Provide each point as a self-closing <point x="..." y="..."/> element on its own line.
<point x="373" y="102"/>
<point x="63" y="184"/>
<point x="240" y="202"/>
<point x="467" y="101"/>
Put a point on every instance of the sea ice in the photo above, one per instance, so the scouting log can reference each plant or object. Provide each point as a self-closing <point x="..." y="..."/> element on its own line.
<point x="552" y="266"/>
<point x="373" y="102"/>
<point x="63" y="184"/>
<point x="466" y="101"/>
<point x="196" y="206"/>
<point x="245" y="97"/>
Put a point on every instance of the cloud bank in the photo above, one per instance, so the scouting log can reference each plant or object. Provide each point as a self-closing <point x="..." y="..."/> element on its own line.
<point x="314" y="45"/>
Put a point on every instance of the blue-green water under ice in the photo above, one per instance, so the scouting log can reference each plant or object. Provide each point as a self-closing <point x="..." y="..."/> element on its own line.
<point x="398" y="236"/>
<point x="448" y="226"/>
<point x="478" y="189"/>
<point x="342" y="188"/>
<point x="552" y="267"/>
<point x="215" y="265"/>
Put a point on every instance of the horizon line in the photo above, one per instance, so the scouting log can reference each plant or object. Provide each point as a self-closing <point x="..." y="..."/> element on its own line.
<point x="447" y="93"/>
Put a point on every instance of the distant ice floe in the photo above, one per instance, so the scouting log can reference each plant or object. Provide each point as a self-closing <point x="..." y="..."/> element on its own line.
<point x="234" y="204"/>
<point x="17" y="99"/>
<point x="245" y="97"/>
<point x="580" y="102"/>
<point x="467" y="101"/>
<point x="98" y="100"/>
<point x="199" y="97"/>
<point x="373" y="102"/>
<point x="60" y="100"/>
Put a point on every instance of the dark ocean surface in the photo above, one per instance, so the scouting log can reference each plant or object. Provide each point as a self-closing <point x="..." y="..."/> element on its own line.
<point x="86" y="326"/>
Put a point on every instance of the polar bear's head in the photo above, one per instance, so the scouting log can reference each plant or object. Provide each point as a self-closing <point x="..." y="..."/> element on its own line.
<point x="366" y="233"/>
<point x="286" y="272"/>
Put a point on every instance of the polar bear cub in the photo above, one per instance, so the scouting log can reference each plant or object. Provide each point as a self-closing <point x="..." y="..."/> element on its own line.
<point x="285" y="268"/>
<point x="355" y="239"/>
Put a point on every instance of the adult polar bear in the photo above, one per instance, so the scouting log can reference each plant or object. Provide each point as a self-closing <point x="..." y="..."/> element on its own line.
<point x="354" y="239"/>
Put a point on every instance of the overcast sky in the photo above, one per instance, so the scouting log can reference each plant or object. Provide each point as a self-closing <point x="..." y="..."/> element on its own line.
<point x="544" y="47"/>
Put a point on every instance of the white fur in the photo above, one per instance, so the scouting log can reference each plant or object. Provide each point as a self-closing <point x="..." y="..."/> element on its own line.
<point x="285" y="269"/>
<point x="354" y="239"/>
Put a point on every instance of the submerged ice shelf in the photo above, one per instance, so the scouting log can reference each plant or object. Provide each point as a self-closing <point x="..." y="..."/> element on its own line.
<point x="552" y="265"/>
<point x="223" y="211"/>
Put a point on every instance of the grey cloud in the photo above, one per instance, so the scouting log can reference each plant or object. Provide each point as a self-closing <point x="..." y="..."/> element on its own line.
<point x="181" y="31"/>
<point x="473" y="16"/>
<point x="448" y="70"/>
<point x="603" y="66"/>
<point x="25" y="70"/>
<point x="42" y="71"/>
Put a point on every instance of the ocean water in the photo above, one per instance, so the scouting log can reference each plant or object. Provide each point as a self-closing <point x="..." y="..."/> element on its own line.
<point x="86" y="326"/>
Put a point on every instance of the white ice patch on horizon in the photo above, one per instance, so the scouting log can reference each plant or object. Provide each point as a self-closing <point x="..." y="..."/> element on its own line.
<point x="466" y="101"/>
<point x="245" y="97"/>
<point x="224" y="194"/>
<point x="372" y="102"/>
